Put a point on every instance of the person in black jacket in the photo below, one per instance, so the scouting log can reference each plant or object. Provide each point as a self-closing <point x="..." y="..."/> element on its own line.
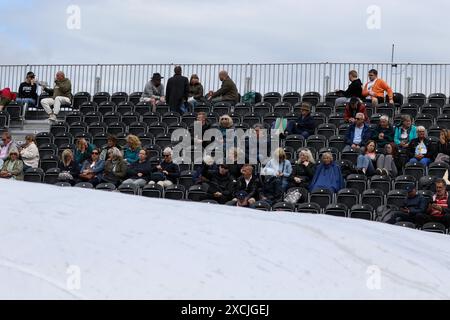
<point x="28" y="91"/>
<point x="303" y="170"/>
<point x="305" y="124"/>
<point x="271" y="191"/>
<point x="415" y="205"/>
<point x="248" y="183"/>
<point x="69" y="170"/>
<point x="221" y="185"/>
<point x="177" y="92"/>
<point x="442" y="153"/>
<point x="420" y="149"/>
<point x="354" y="89"/>
<point x="170" y="170"/>
<point x="139" y="172"/>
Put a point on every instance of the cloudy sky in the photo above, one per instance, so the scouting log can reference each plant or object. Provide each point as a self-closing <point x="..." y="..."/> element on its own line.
<point x="226" y="31"/>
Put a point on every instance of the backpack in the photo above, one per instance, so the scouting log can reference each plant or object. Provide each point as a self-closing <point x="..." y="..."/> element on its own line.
<point x="249" y="97"/>
<point x="386" y="214"/>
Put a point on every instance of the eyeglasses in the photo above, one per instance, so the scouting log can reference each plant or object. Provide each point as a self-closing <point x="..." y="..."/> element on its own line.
<point x="95" y="152"/>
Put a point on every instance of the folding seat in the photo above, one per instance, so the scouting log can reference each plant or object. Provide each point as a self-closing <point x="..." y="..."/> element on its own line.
<point x="221" y="108"/>
<point x="272" y="98"/>
<point x="124" y="107"/>
<point x="146" y="138"/>
<point x="438" y="169"/>
<point x="325" y="108"/>
<point x="396" y="197"/>
<point x="381" y="183"/>
<point x="291" y="155"/>
<point x="370" y="110"/>
<point x="262" y="206"/>
<point x="162" y="109"/>
<point x="375" y="118"/>
<point x="59" y="127"/>
<point x="340" y="108"/>
<point x="327" y="130"/>
<point x="151" y="117"/>
<point x="112" y="117"/>
<point x="427" y="194"/>
<point x="157" y="128"/>
<point x="16" y="112"/>
<point x="323" y="197"/>
<point x="156" y="160"/>
<point x="362" y="211"/>
<point x="137" y="128"/>
<point x="202" y="108"/>
<point x="251" y="119"/>
<point x="85" y="135"/>
<point x="44" y="138"/>
<point x="4" y="119"/>
<point x="97" y="128"/>
<point x="334" y="152"/>
<point x="170" y="118"/>
<point x="186" y="179"/>
<point x="446" y="109"/>
<point x="316" y="141"/>
<point x="432" y="109"/>
<point x="106" y="187"/>
<point x="77" y="127"/>
<point x="398" y="98"/>
<point x="48" y="149"/>
<point x="385" y="109"/>
<point x="416" y="170"/>
<point x="142" y="108"/>
<point x="116" y="128"/>
<point x="51" y="175"/>
<point x="63" y="184"/>
<point x="100" y="140"/>
<point x="269" y="118"/>
<point x="404" y="224"/>
<point x="121" y="139"/>
<point x="212" y="117"/>
<point x="176" y="126"/>
<point x="434" y="227"/>
<point x="84" y="185"/>
<point x="349" y="197"/>
<point x="48" y="161"/>
<point x="119" y="97"/>
<point x="401" y="182"/>
<point x="282" y="109"/>
<point x="163" y="140"/>
<point x="92" y="117"/>
<point x="34" y="175"/>
<point x="425" y="120"/>
<point x="87" y="107"/>
<point x="331" y="98"/>
<point x="79" y="98"/>
<point x="336" y="119"/>
<point x="434" y="131"/>
<point x="410" y="108"/>
<point x="443" y="121"/>
<point x="427" y="183"/>
<point x="350" y="155"/>
<point x="188" y="118"/>
<point x="284" y="207"/>
<point x="292" y="116"/>
<point x="128" y="188"/>
<point x="106" y="107"/>
<point x="337" y="142"/>
<point x="311" y="97"/>
<point x="292" y="98"/>
<point x="311" y="207"/>
<point x="319" y="118"/>
<point x="373" y="197"/>
<point x="153" y="191"/>
<point x="418" y="99"/>
<point x="175" y="192"/>
<point x="63" y="138"/>
<point x="294" y="141"/>
<point x="100" y="97"/>
<point x="437" y="98"/>
<point x="74" y="116"/>
<point x="135" y="97"/>
<point x="336" y="210"/>
<point x="357" y="181"/>
<point x="262" y="108"/>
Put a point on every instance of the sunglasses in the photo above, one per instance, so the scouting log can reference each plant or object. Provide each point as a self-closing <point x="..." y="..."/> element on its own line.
<point x="94" y="152"/>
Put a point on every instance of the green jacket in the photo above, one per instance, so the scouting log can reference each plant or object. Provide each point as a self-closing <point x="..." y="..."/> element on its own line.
<point x="17" y="171"/>
<point x="228" y="91"/>
<point x="62" y="88"/>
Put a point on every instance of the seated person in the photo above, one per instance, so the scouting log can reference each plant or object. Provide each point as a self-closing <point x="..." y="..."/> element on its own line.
<point x="29" y="153"/>
<point x="196" y="94"/>
<point x="420" y="149"/>
<point x="388" y="163"/>
<point x="61" y="95"/>
<point x="303" y="170"/>
<point x="234" y="163"/>
<point x="132" y="149"/>
<point x="366" y="162"/>
<point x="270" y="190"/>
<point x="305" y="124"/>
<point x="241" y="200"/>
<point x="83" y="151"/>
<point x="354" y="107"/>
<point x="12" y="167"/>
<point x="6" y="96"/>
<point x="383" y="134"/>
<point x="69" y="170"/>
<point x="205" y="171"/>
<point x="354" y="89"/>
<point x="405" y="133"/>
<point x="247" y="183"/>
<point x="28" y="91"/>
<point x="374" y="89"/>
<point x="111" y="143"/>
<point x="439" y="208"/>
<point x="279" y="167"/>
<point x="170" y="171"/>
<point x="443" y="147"/>
<point x="115" y="167"/>
<point x="7" y="145"/>
<point x="92" y="169"/>
<point x="221" y="185"/>
<point x="358" y="134"/>
<point x="228" y="91"/>
<point x="139" y="172"/>
<point x="154" y="92"/>
<point x="415" y="205"/>
<point x="328" y="175"/>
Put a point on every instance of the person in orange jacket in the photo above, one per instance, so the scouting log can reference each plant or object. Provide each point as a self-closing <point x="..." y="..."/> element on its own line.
<point x="374" y="89"/>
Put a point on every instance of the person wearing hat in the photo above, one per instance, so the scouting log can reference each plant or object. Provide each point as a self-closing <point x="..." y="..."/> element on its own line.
<point x="305" y="124"/>
<point x="154" y="92"/>
<point x="221" y="185"/>
<point x="352" y="108"/>
<point x="414" y="205"/>
<point x="13" y="166"/>
<point x="28" y="91"/>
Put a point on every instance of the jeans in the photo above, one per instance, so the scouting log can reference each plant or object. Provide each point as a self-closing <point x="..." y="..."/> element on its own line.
<point x="425" y="161"/>
<point x="28" y="101"/>
<point x="365" y="162"/>
<point x="138" y="182"/>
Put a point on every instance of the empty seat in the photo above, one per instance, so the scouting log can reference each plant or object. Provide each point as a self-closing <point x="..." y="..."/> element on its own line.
<point x="349" y="197"/>
<point x="175" y="192"/>
<point x="283" y="206"/>
<point x="324" y="108"/>
<point x="337" y="210"/>
<point x="112" y="117"/>
<point x="48" y="149"/>
<point x="87" y="107"/>
<point x="119" y="97"/>
<point x="128" y="188"/>
<point x="106" y="107"/>
<point x="430" y="109"/>
<point x="44" y="138"/>
<point x="222" y="108"/>
<point x="443" y="121"/>
<point x="92" y="117"/>
<point x="316" y="141"/>
<point x="106" y="187"/>
<point x="59" y="127"/>
<point x="337" y="142"/>
<point x="153" y="191"/>
<point x="125" y="107"/>
<point x="396" y="197"/>
<point x="97" y="128"/>
<point x="63" y="138"/>
<point x="438" y="169"/>
<point x="311" y="97"/>
<point x="142" y="108"/>
<point x="309" y="208"/>
<point x="417" y="98"/>
<point x="364" y="211"/>
<point x="373" y="197"/>
<point x="262" y="206"/>
<point x="294" y="141"/>
<point x="116" y="128"/>
<point x="323" y="197"/>
<point x="434" y="227"/>
<point x="438" y="98"/>
<point x="416" y="170"/>
<point x="357" y="181"/>
<point x="382" y="183"/>
<point x="137" y="128"/>
<point x="405" y="224"/>
<point x="272" y="98"/>
<point x="34" y="175"/>
<point x="79" y="98"/>
<point x="281" y="109"/>
<point x="51" y="175"/>
<point x="327" y="130"/>
<point x="425" y="120"/>
<point x="292" y="97"/>
<point x="48" y="162"/>
<point x="100" y="97"/>
<point x="84" y="185"/>
<point x="77" y="127"/>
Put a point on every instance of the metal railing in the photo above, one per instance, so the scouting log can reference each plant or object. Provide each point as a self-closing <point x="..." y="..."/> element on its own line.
<point x="263" y="78"/>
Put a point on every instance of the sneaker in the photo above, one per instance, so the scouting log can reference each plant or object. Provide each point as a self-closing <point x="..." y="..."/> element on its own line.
<point x="53" y="117"/>
<point x="379" y="172"/>
<point x="386" y="173"/>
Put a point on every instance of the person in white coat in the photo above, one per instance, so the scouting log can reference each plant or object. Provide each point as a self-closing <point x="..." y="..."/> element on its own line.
<point x="29" y="153"/>
<point x="280" y="167"/>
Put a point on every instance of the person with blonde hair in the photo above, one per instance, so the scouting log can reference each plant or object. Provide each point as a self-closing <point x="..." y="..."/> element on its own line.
<point x="12" y="167"/>
<point x="29" y="153"/>
<point x="328" y="175"/>
<point x="69" y="170"/>
<point x="132" y="149"/>
<point x="279" y="167"/>
<point x="303" y="170"/>
<point x="115" y="167"/>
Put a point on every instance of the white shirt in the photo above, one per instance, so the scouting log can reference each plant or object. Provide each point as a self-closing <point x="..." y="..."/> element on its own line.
<point x="358" y="135"/>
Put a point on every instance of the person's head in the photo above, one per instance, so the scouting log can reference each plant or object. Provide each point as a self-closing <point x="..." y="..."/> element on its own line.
<point x="223" y="75"/>
<point x="373" y="74"/>
<point x="30" y="76"/>
<point x="305" y="109"/>
<point x="81" y="143"/>
<point x="6" y="137"/>
<point x="142" y="155"/>
<point x="391" y="149"/>
<point x="359" y="119"/>
<point x="114" y="154"/>
<point x="371" y="146"/>
<point x="445" y="135"/>
<point x="411" y="189"/>
<point x="247" y="171"/>
<point x="14" y="154"/>
<point x="194" y="79"/>
<point x="201" y="116"/>
<point x="111" y="141"/>
<point x="223" y="169"/>
<point x="177" y="70"/>
<point x="226" y="121"/>
<point x="306" y="155"/>
<point x="95" y="154"/>
<point x="156" y="79"/>
<point x="279" y="155"/>
<point x="441" y="187"/>
<point x="67" y="156"/>
<point x="327" y="158"/>
<point x="167" y="154"/>
<point x="30" y="138"/>
<point x="384" y="122"/>
<point x="421" y="132"/>
<point x="406" y="121"/>
<point x="60" y="76"/>
<point x="241" y="197"/>
<point x="352" y="75"/>
<point x="353" y="103"/>
<point x="133" y="142"/>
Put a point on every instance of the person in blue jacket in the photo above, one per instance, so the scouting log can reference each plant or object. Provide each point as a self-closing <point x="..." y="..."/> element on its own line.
<point x="328" y="175"/>
<point x="305" y="124"/>
<point x="358" y="134"/>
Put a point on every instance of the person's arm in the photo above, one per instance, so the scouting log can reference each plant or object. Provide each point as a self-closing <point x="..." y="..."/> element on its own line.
<point x="388" y="89"/>
<point x="199" y="94"/>
<point x="186" y="89"/>
<point x="397" y="136"/>
<point x="168" y="90"/>
<point x="287" y="169"/>
<point x="21" y="93"/>
<point x="223" y="89"/>
<point x="30" y="152"/>
<point x="421" y="208"/>
<point x="122" y="172"/>
<point x="17" y="169"/>
<point x="348" y="136"/>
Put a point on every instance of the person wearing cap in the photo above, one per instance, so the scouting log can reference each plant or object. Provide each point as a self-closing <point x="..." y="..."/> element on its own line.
<point x="28" y="91"/>
<point x="305" y="124"/>
<point x="177" y="92"/>
<point x="241" y="200"/>
<point x="228" y="92"/>
<point x="61" y="94"/>
<point x="414" y="205"/>
<point x="352" y="108"/>
<point x="354" y="89"/>
<point x="12" y="167"/>
<point x="154" y="92"/>
<point x="221" y="185"/>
